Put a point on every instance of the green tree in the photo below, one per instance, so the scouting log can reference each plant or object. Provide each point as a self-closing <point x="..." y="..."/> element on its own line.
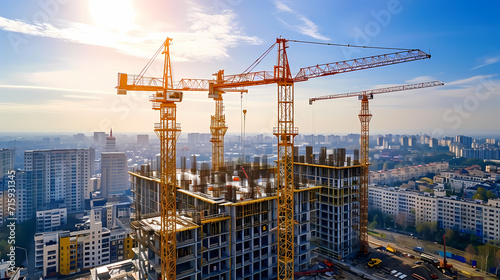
<point x="491" y="195"/>
<point x="422" y="228"/>
<point x="372" y="225"/>
<point x="385" y="166"/>
<point x="480" y="194"/>
<point x="484" y="252"/>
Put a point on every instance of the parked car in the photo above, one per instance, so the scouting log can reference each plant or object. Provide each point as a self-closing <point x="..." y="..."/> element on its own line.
<point x="418" y="262"/>
<point x="434" y="276"/>
<point x="403" y="276"/>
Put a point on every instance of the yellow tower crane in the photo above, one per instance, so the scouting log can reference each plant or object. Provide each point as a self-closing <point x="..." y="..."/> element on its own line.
<point x="365" y="117"/>
<point x="168" y="130"/>
<point x="164" y="100"/>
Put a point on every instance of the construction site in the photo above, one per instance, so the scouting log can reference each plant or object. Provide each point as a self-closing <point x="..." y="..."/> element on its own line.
<point x="227" y="220"/>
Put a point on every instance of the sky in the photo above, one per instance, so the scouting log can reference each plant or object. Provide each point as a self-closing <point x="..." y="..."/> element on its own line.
<point x="60" y="58"/>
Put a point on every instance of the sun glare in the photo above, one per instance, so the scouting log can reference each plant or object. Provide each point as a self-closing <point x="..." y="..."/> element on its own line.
<point x="117" y="15"/>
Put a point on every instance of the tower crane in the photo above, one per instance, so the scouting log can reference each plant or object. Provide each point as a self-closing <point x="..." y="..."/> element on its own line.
<point x="365" y="117"/>
<point x="286" y="131"/>
<point x="164" y="100"/>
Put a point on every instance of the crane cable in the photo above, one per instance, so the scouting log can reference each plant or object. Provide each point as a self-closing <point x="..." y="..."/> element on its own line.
<point x="349" y="45"/>
<point x="258" y="60"/>
<point x="145" y="69"/>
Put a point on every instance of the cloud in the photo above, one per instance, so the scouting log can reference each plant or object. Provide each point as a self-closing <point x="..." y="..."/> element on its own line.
<point x="420" y="79"/>
<point x="302" y="24"/>
<point x="471" y="81"/>
<point x="210" y="35"/>
<point x="53" y="89"/>
<point x="487" y="62"/>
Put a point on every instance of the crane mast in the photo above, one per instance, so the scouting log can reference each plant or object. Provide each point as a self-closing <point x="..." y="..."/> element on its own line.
<point x="365" y="117"/>
<point x="164" y="100"/>
<point x="285" y="131"/>
<point x="168" y="131"/>
<point x="218" y="129"/>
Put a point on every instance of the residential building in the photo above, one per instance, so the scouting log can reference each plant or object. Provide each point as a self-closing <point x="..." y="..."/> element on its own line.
<point x="114" y="170"/>
<point x="69" y="252"/>
<point x="51" y="220"/>
<point x="406" y="173"/>
<point x="60" y="175"/>
<point x="467" y="216"/>
<point x="7" y="161"/>
<point x="25" y="209"/>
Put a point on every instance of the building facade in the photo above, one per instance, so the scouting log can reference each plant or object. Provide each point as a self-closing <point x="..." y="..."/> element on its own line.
<point x="60" y="176"/>
<point x="114" y="178"/>
<point x="51" y="220"/>
<point x="69" y="252"/>
<point x="406" y="173"/>
<point x="472" y="217"/>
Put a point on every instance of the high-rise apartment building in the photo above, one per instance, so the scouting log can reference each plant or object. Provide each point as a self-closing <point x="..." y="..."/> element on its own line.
<point x="114" y="170"/>
<point x="60" y="176"/>
<point x="7" y="160"/>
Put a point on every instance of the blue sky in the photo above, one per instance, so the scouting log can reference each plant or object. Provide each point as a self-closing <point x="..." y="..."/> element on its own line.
<point x="60" y="61"/>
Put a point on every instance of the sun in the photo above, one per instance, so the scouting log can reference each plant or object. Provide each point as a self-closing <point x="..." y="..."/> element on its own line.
<point x="117" y="15"/>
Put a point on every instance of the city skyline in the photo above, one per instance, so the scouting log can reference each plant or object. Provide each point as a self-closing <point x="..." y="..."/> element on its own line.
<point x="61" y="60"/>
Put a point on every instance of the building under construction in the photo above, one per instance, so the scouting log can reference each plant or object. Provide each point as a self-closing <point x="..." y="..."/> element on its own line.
<point x="227" y="222"/>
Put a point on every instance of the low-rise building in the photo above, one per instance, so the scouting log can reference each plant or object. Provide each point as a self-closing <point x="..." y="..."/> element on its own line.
<point x="69" y="252"/>
<point x="51" y="220"/>
<point x="405" y="173"/>
<point x="467" y="216"/>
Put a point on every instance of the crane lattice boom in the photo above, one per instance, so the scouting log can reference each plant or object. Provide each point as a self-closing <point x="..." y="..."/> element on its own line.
<point x="378" y="91"/>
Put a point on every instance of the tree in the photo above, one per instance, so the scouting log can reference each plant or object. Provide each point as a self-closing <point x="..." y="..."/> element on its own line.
<point x="384" y="167"/>
<point x="484" y="252"/>
<point x="401" y="219"/>
<point x="372" y="225"/>
<point x="490" y="195"/>
<point x="470" y="252"/>
<point x="480" y="194"/>
<point x="422" y="228"/>
<point x="497" y="261"/>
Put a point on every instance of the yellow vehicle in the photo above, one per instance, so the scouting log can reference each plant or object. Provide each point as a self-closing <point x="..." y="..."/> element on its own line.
<point x="374" y="263"/>
<point x="390" y="249"/>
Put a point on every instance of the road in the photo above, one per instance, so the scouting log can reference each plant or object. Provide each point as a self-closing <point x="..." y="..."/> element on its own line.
<point x="407" y="243"/>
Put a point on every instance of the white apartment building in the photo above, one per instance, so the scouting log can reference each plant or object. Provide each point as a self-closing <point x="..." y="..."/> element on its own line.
<point x="406" y="173"/>
<point x="471" y="217"/>
<point x="69" y="252"/>
<point x="114" y="169"/>
<point x="60" y="175"/>
<point x="51" y="220"/>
